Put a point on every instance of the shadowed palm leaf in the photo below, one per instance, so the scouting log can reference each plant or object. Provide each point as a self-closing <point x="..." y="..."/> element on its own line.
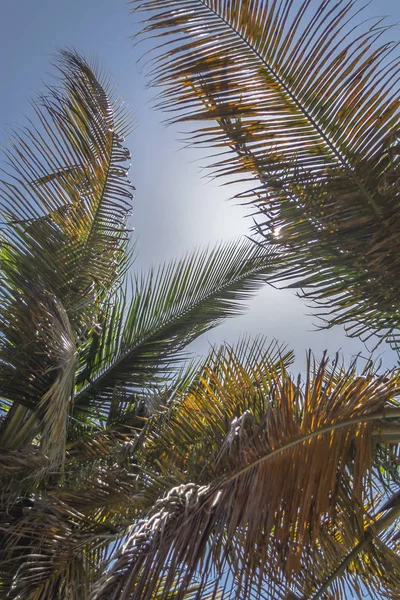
<point x="307" y="98"/>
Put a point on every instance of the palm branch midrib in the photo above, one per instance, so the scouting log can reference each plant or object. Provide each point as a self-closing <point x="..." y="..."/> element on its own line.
<point x="164" y="325"/>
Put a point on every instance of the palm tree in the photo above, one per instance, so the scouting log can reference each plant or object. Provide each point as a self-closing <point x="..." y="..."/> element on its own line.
<point x="127" y="473"/>
<point x="302" y="101"/>
<point x="87" y="354"/>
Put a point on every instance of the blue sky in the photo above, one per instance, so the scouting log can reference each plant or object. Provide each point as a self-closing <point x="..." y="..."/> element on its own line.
<point x="176" y="207"/>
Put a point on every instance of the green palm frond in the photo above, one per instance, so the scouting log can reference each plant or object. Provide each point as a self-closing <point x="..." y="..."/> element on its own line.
<point x="251" y="463"/>
<point x="146" y="328"/>
<point x="65" y="198"/>
<point x="64" y="203"/>
<point x="307" y="98"/>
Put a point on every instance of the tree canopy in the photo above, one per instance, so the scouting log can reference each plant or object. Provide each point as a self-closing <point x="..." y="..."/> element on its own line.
<point x="129" y="471"/>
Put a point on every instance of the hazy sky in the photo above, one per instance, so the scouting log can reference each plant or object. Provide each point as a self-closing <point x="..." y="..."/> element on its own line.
<point x="176" y="208"/>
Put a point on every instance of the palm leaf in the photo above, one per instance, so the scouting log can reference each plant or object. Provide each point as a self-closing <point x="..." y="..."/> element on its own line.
<point x="48" y="540"/>
<point x="252" y="461"/>
<point x="66" y="198"/>
<point x="145" y="331"/>
<point x="56" y="531"/>
<point x="307" y="99"/>
<point x="55" y="539"/>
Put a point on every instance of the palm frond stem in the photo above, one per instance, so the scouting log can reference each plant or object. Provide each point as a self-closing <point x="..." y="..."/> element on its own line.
<point x="387" y="413"/>
<point x="28" y="427"/>
<point x="21" y="423"/>
<point x="370" y="533"/>
<point x="16" y="417"/>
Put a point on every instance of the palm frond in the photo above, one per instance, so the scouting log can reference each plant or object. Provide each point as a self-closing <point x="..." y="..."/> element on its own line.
<point x="252" y="460"/>
<point x="369" y="566"/>
<point x="306" y="104"/>
<point x="205" y="591"/>
<point x="47" y="539"/>
<point x="56" y="531"/>
<point x="55" y="539"/>
<point x="65" y="198"/>
<point x="64" y="203"/>
<point x="146" y="328"/>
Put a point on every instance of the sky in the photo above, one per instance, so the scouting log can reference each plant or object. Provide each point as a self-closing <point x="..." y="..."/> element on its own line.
<point x="176" y="206"/>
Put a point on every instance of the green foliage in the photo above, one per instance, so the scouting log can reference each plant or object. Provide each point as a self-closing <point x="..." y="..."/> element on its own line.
<point x="148" y="324"/>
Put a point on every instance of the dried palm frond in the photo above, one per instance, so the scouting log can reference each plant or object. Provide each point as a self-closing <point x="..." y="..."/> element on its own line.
<point x="260" y="470"/>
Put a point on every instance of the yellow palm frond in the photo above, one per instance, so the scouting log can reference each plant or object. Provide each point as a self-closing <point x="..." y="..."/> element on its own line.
<point x="256" y="469"/>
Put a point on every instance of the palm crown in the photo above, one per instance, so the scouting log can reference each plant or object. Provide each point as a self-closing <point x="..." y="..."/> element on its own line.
<point x="126" y="471"/>
<point x="258" y="475"/>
